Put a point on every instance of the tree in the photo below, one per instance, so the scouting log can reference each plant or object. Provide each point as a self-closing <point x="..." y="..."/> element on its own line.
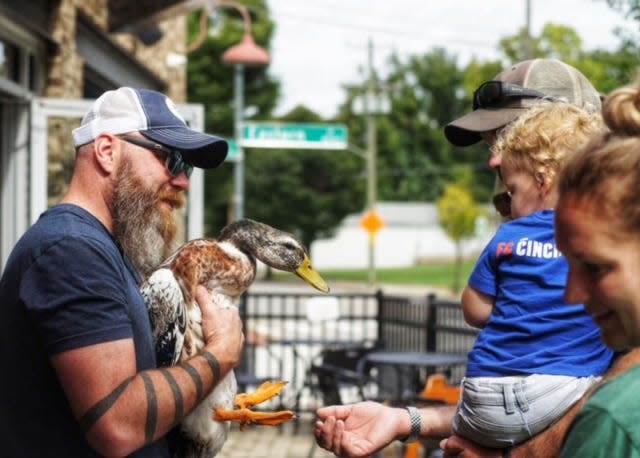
<point x="556" y="41"/>
<point x="458" y="216"/>
<point x="605" y="69"/>
<point x="311" y="191"/>
<point x="210" y="82"/>
<point x="630" y="8"/>
<point x="307" y="192"/>
<point x="425" y="92"/>
<point x="414" y="159"/>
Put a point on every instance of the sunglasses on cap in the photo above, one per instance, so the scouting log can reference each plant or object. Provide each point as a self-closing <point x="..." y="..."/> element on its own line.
<point x="174" y="161"/>
<point x="494" y="93"/>
<point x="502" y="204"/>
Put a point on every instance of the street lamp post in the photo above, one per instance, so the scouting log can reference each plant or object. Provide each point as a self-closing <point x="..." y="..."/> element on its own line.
<point x="238" y="168"/>
<point x="245" y="53"/>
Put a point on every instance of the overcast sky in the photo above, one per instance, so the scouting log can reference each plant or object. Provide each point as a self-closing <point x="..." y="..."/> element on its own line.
<point x="319" y="45"/>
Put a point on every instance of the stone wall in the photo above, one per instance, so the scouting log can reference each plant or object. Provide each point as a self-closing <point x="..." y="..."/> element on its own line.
<point x="65" y="73"/>
<point x="60" y="158"/>
<point x="65" y="76"/>
<point x="64" y="79"/>
<point x="158" y="56"/>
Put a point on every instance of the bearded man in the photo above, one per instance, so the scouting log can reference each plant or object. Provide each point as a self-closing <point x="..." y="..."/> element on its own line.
<point x="144" y="226"/>
<point x="80" y="376"/>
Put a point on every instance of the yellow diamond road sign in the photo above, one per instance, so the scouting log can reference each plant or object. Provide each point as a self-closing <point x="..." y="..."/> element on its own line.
<point x="372" y="222"/>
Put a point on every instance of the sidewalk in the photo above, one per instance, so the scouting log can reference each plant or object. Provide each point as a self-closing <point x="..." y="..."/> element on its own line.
<point x="273" y="442"/>
<point x="282" y="442"/>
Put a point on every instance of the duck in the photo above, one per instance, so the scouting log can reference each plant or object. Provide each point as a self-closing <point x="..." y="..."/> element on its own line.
<point x="227" y="267"/>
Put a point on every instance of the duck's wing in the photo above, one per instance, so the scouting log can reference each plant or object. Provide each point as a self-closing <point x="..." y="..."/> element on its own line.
<point x="167" y="311"/>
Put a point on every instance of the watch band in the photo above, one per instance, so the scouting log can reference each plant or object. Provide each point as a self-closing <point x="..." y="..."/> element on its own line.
<point x="416" y="425"/>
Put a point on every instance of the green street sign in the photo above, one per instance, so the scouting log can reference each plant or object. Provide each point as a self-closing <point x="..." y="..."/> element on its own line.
<point x="234" y="150"/>
<point x="298" y="136"/>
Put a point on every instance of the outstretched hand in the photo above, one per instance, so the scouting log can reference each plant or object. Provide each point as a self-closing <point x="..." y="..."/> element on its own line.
<point x="359" y="430"/>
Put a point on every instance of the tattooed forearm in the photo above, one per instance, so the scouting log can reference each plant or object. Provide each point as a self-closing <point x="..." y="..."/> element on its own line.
<point x="96" y="412"/>
<point x="196" y="379"/>
<point x="214" y="364"/>
<point x="152" y="408"/>
<point x="177" y="394"/>
<point x="101" y="407"/>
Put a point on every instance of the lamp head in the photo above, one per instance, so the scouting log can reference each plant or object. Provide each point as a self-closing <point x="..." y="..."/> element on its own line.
<point x="247" y="52"/>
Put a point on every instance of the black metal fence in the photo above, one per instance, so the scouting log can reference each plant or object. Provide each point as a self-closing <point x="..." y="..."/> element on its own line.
<point x="285" y="332"/>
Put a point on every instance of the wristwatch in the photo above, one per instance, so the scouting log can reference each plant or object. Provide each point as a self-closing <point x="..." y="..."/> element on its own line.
<point x="416" y="425"/>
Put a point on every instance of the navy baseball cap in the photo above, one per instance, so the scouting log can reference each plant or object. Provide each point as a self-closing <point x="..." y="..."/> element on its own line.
<point x="155" y="116"/>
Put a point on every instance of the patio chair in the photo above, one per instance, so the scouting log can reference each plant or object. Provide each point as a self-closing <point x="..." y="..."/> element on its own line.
<point x="335" y="375"/>
<point x="438" y="389"/>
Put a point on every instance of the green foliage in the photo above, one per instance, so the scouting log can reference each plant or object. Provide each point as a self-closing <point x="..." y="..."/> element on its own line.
<point x="560" y="42"/>
<point x="415" y="161"/>
<point x="476" y="73"/>
<point x="630" y="8"/>
<point x="210" y="82"/>
<point x="555" y="41"/>
<point x="605" y="69"/>
<point x="304" y="192"/>
<point x="458" y="212"/>
<point x="608" y="71"/>
<point x="458" y="216"/>
<point x="309" y="192"/>
<point x="218" y="189"/>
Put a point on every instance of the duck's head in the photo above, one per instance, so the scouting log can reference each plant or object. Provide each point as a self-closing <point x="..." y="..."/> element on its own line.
<point x="276" y="248"/>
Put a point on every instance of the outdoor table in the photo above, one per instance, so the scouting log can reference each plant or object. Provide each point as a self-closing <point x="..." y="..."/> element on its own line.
<point x="409" y="362"/>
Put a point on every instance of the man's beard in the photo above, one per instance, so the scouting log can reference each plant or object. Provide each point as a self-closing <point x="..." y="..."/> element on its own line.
<point x="143" y="227"/>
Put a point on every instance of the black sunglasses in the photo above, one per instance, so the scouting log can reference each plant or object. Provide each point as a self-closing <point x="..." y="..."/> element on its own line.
<point x="174" y="161"/>
<point x="502" y="203"/>
<point x="494" y="93"/>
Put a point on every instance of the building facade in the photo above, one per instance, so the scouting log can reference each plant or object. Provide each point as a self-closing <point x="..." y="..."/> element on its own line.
<point x="411" y="235"/>
<point x="56" y="56"/>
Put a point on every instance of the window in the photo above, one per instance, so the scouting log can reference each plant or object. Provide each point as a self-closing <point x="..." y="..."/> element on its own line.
<point x="22" y="75"/>
<point x="22" y="59"/>
<point x="9" y="61"/>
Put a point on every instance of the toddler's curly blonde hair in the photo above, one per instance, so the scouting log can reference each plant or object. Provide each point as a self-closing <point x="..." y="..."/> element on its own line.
<point x="544" y="136"/>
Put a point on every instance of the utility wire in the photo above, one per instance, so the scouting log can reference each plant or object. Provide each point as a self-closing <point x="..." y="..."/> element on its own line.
<point x="400" y="31"/>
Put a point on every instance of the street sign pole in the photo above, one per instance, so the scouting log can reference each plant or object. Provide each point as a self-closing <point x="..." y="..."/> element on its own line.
<point x="372" y="222"/>
<point x="371" y="161"/>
